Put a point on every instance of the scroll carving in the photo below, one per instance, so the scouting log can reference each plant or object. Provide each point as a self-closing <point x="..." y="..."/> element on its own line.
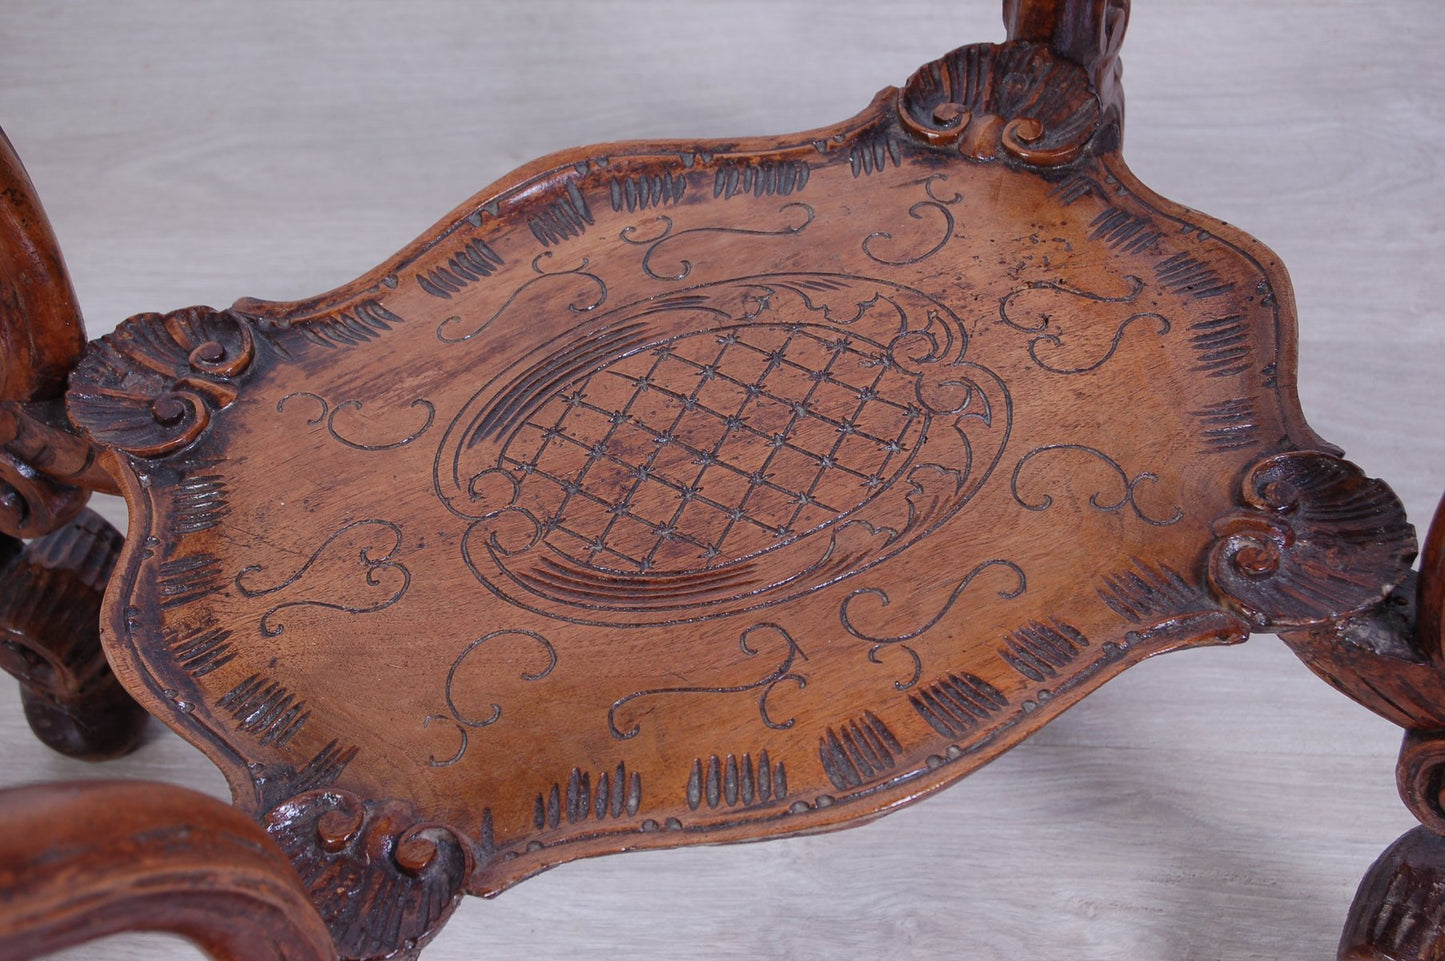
<point x="383" y="880"/>
<point x="1016" y="99"/>
<point x="1318" y="541"/>
<point x="151" y="387"/>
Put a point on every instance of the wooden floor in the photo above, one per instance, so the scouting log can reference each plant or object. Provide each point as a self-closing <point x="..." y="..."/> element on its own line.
<point x="1216" y="804"/>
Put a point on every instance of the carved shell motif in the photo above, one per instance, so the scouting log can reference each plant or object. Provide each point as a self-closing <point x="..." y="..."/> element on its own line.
<point x="1318" y="541"/>
<point x="1018" y="97"/>
<point x="150" y="387"/>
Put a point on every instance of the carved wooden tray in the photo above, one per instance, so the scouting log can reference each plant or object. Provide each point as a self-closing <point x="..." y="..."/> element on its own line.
<point x="685" y="492"/>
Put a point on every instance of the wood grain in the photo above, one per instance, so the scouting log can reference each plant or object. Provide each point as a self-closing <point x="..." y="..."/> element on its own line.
<point x="1352" y="410"/>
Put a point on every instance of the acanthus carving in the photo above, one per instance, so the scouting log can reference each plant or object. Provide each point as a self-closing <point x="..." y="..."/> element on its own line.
<point x="1316" y="542"/>
<point x="151" y="387"/>
<point x="383" y="880"/>
<point x="1019" y="99"/>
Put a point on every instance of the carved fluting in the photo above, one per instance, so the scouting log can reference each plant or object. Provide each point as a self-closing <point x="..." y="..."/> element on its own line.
<point x="1124" y="232"/>
<point x="358" y="324"/>
<point x="276" y="783"/>
<point x="50" y="594"/>
<point x="862" y="749"/>
<point x="152" y="386"/>
<point x="1039" y="651"/>
<point x="646" y="190"/>
<point x="1019" y="99"/>
<point x="1399" y="910"/>
<point x="1317" y="541"/>
<point x="383" y="881"/>
<point x="611" y="795"/>
<point x="733" y="781"/>
<point x="956" y="704"/>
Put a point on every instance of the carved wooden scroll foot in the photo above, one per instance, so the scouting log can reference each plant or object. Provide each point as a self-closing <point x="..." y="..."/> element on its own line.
<point x="86" y="860"/>
<point x="50" y="597"/>
<point x="1391" y="659"/>
<point x="1399" y="911"/>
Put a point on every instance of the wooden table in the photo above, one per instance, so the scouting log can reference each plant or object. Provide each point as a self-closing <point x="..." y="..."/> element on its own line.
<point x="1217" y="803"/>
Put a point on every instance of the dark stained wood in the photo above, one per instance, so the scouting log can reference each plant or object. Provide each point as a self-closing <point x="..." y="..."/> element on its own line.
<point x="695" y="491"/>
<point x="1399" y="911"/>
<point x="50" y="594"/>
<point x="40" y="326"/>
<point x="82" y="861"/>
<point x="46" y="471"/>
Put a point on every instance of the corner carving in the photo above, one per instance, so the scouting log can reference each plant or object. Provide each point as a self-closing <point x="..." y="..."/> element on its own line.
<point x="383" y="880"/>
<point x="151" y="387"/>
<point x="1018" y="99"/>
<point x="1316" y="541"/>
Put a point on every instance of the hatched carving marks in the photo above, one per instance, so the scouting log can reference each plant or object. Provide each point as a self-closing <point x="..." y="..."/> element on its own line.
<point x="563" y="218"/>
<point x="646" y="190"/>
<point x="872" y="151"/>
<point x="1148" y="592"/>
<point x="361" y="324"/>
<point x="265" y="710"/>
<point x="1039" y="651"/>
<point x="766" y="178"/>
<point x="955" y="705"/>
<point x="736" y="781"/>
<point x="367" y="548"/>
<point x="1128" y="486"/>
<point x="637" y="470"/>
<point x="864" y="749"/>
<point x="200" y="650"/>
<point x="1221" y="346"/>
<point x="782" y="673"/>
<point x="617" y="793"/>
<point x="475" y="260"/>
<point x="199" y="503"/>
<point x="1228" y="425"/>
<point x="1183" y="274"/>
<point x="184" y="580"/>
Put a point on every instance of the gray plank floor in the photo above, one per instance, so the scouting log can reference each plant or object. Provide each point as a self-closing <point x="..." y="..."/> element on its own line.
<point x="1215" y="804"/>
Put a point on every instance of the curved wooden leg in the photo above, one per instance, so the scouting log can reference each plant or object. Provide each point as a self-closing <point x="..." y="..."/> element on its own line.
<point x="1399" y="911"/>
<point x="50" y="594"/>
<point x="86" y="860"/>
